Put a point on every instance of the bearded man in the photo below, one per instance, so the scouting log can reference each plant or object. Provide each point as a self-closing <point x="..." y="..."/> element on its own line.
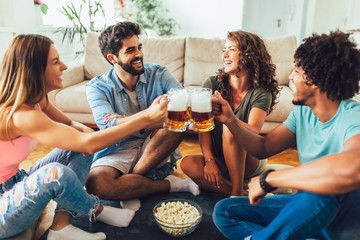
<point x="138" y="165"/>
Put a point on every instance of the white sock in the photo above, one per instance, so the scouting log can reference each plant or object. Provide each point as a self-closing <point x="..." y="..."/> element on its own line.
<point x="183" y="185"/>
<point x="118" y="217"/>
<point x="73" y="233"/>
<point x="133" y="204"/>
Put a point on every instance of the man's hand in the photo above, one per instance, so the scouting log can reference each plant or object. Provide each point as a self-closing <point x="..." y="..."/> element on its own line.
<point x="157" y="112"/>
<point x="221" y="108"/>
<point x="256" y="193"/>
<point x="212" y="173"/>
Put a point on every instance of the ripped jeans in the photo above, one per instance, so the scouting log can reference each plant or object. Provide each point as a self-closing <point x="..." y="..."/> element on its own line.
<point x="60" y="176"/>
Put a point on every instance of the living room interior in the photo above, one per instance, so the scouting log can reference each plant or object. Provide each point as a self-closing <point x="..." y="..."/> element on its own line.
<point x="198" y="34"/>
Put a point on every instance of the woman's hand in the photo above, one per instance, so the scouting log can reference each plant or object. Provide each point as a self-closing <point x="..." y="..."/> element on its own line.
<point x="157" y="112"/>
<point x="212" y="173"/>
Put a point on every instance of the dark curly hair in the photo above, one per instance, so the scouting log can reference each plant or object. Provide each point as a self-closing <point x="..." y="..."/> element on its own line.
<point x="110" y="40"/>
<point x="256" y="60"/>
<point x="332" y="63"/>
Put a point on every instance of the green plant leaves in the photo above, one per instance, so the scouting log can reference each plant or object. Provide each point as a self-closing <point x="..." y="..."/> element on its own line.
<point x="44" y="8"/>
<point x="73" y="13"/>
<point x="149" y="14"/>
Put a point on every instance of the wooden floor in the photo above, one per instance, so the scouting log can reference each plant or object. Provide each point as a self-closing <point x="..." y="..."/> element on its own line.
<point x="189" y="145"/>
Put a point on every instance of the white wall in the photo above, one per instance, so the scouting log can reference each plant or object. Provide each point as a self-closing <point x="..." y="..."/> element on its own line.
<point x="206" y="18"/>
<point x="266" y="18"/>
<point x="213" y="18"/>
<point x="330" y="14"/>
<point x="23" y="17"/>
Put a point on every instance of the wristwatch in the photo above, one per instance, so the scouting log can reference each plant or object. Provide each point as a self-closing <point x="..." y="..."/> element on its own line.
<point x="264" y="184"/>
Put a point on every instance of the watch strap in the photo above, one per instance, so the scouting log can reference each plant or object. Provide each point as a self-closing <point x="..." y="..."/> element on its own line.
<point x="264" y="185"/>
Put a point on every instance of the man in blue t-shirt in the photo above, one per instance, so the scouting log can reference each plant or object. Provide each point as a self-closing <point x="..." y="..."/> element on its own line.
<point x="325" y="125"/>
<point x="137" y="165"/>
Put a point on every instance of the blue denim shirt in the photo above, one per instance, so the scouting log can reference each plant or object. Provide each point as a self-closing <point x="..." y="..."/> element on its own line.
<point x="106" y="95"/>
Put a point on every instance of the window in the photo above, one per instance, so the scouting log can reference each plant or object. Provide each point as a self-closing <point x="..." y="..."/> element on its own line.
<point x="55" y="18"/>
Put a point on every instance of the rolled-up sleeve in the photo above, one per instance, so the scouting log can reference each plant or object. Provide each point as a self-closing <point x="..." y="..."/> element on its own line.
<point x="100" y="105"/>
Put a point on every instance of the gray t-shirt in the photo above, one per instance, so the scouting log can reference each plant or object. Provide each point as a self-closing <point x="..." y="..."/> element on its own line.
<point x="133" y="107"/>
<point x="254" y="98"/>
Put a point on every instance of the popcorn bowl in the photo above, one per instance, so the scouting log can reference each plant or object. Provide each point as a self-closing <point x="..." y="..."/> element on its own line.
<point x="177" y="217"/>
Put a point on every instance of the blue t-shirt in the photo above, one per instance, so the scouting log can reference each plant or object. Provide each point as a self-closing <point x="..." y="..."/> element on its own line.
<point x="105" y="95"/>
<point x="316" y="139"/>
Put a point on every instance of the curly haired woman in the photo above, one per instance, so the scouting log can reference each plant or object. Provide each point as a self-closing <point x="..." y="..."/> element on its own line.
<point x="247" y="82"/>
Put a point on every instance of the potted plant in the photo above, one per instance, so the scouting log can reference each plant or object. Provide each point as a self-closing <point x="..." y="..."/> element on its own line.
<point x="43" y="6"/>
<point x="150" y="15"/>
<point x="74" y="14"/>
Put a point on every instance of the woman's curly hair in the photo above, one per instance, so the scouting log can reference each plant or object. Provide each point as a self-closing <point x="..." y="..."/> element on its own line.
<point x="332" y="63"/>
<point x="255" y="58"/>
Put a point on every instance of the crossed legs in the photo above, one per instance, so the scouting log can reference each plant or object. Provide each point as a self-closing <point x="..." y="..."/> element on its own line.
<point x="238" y="162"/>
<point x="295" y="216"/>
<point x="111" y="184"/>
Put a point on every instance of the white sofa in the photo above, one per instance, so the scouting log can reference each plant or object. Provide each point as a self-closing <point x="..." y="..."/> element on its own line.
<point x="191" y="60"/>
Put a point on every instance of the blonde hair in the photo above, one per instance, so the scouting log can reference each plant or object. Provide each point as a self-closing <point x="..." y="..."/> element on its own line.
<point x="22" y="76"/>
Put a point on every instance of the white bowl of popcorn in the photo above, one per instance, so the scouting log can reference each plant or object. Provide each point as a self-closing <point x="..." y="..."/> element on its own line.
<point x="177" y="217"/>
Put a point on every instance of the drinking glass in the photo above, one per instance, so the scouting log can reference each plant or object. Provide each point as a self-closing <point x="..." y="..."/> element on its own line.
<point x="201" y="116"/>
<point x="178" y="110"/>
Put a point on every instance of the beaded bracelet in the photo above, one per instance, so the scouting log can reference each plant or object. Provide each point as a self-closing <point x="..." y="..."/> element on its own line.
<point x="208" y="160"/>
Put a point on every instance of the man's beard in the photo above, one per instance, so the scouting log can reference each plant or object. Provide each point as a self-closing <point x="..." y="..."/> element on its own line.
<point x="304" y="100"/>
<point x="298" y="102"/>
<point x="129" y="68"/>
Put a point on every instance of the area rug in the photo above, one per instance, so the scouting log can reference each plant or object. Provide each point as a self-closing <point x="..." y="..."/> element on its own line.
<point x="143" y="225"/>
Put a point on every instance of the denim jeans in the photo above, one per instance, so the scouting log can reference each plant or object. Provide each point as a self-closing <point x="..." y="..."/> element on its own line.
<point x="297" y="216"/>
<point x="60" y="176"/>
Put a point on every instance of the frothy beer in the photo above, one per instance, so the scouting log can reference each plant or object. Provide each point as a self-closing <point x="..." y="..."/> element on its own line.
<point x="201" y="117"/>
<point x="178" y="110"/>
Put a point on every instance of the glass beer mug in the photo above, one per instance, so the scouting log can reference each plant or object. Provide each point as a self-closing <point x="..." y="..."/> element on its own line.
<point x="178" y="110"/>
<point x="201" y="117"/>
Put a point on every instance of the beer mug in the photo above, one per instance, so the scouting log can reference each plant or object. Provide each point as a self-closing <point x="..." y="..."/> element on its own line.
<point x="201" y="117"/>
<point x="178" y="110"/>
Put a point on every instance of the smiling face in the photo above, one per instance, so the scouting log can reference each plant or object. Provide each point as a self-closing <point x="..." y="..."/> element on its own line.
<point x="130" y="56"/>
<point x="231" y="57"/>
<point x="303" y="91"/>
<point x="54" y="70"/>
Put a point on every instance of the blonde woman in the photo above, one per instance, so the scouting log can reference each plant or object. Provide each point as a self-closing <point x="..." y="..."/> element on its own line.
<point x="30" y="69"/>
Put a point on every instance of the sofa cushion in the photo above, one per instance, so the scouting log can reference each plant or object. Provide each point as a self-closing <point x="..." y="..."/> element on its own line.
<point x="283" y="107"/>
<point x="73" y="99"/>
<point x="168" y="52"/>
<point x="95" y="63"/>
<point x="203" y="57"/>
<point x="74" y="74"/>
<point x="281" y="50"/>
